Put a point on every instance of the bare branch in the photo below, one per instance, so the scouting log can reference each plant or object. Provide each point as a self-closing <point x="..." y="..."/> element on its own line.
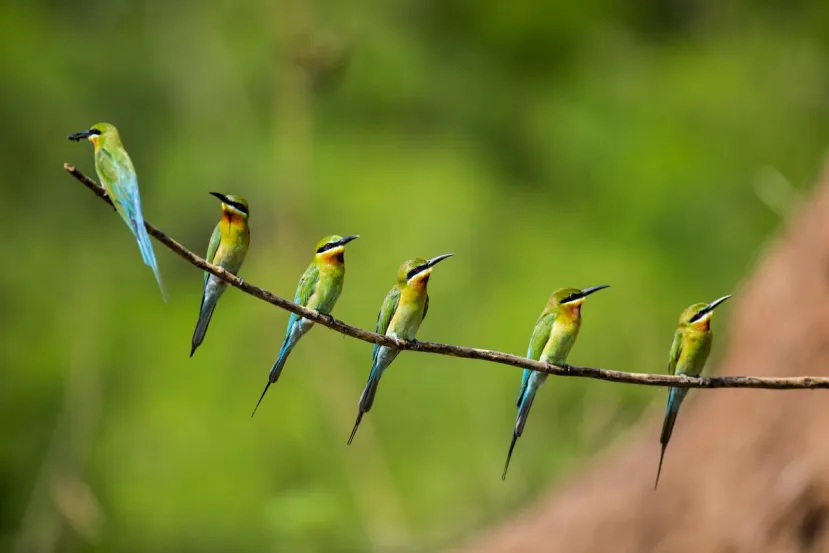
<point x="788" y="383"/>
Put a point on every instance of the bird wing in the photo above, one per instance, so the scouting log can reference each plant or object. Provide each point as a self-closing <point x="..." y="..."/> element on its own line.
<point x="676" y="351"/>
<point x="384" y="317"/>
<point x="304" y="291"/>
<point x="307" y="284"/>
<point x="425" y="308"/>
<point x="118" y="173"/>
<point x="541" y="334"/>
<point x="212" y="247"/>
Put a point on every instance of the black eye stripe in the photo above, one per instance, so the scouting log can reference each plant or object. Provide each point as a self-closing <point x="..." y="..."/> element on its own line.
<point x="571" y="297"/>
<point x="416" y="270"/>
<point x="328" y="246"/>
<point x="699" y="315"/>
<point x="94" y="131"/>
<point x="239" y="207"/>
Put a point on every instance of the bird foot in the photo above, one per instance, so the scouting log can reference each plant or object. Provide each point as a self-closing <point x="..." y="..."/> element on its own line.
<point x="241" y="282"/>
<point x="328" y="318"/>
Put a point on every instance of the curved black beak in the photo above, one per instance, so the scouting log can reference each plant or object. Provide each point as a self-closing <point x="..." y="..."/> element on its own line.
<point x="435" y="260"/>
<point x="221" y="197"/>
<point x="346" y="239"/>
<point x="78" y="136"/>
<point x="587" y="291"/>
<point x="713" y="305"/>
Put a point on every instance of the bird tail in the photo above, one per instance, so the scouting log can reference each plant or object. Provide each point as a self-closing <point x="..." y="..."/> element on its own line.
<point x="675" y="397"/>
<point x="276" y="370"/>
<point x="525" y="379"/>
<point x="287" y="347"/>
<point x="367" y="397"/>
<point x="208" y="304"/>
<point x="524" y="406"/>
<point x="147" y="253"/>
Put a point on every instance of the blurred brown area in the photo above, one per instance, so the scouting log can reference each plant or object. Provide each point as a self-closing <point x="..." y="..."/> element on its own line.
<point x="747" y="470"/>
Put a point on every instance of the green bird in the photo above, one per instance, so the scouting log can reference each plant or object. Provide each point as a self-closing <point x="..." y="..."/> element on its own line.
<point x="319" y="288"/>
<point x="689" y="352"/>
<point x="555" y="333"/>
<point x="117" y="175"/>
<point x="401" y="314"/>
<point x="227" y="249"/>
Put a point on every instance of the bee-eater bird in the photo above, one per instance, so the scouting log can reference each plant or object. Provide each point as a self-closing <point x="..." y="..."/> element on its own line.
<point x="689" y="352"/>
<point x="318" y="288"/>
<point x="117" y="175"/>
<point x="401" y="314"/>
<point x="555" y="333"/>
<point x="227" y="249"/>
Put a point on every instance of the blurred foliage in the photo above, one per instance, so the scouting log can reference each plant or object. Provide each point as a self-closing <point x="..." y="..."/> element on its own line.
<point x="654" y="146"/>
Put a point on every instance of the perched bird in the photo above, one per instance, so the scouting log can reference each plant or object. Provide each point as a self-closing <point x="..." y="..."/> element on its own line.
<point x="318" y="288"/>
<point x="227" y="249"/>
<point x="555" y="333"/>
<point x="403" y="309"/>
<point x="689" y="351"/>
<point x="117" y="175"/>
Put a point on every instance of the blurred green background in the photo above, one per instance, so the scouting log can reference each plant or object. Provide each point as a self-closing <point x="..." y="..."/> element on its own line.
<point x="655" y="146"/>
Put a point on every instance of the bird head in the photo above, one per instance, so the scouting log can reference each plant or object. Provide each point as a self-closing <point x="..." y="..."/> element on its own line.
<point x="699" y="315"/>
<point x="97" y="133"/>
<point x="418" y="270"/>
<point x="570" y="299"/>
<point x="233" y="205"/>
<point x="332" y="247"/>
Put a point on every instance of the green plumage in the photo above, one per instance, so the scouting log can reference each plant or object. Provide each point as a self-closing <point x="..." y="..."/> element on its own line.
<point x="690" y="348"/>
<point x="319" y="288"/>
<point x="117" y="176"/>
<point x="403" y="310"/>
<point x="554" y="334"/>
<point x="227" y="249"/>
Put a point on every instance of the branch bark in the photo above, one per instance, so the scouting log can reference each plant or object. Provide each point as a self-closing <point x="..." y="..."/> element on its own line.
<point x="680" y="381"/>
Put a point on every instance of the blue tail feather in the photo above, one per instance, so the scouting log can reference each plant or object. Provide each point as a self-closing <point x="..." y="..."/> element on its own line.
<point x="367" y="397"/>
<point x="675" y="397"/>
<point x="525" y="378"/>
<point x="208" y="304"/>
<point x="276" y="370"/>
<point x="147" y="253"/>
<point x="525" y="403"/>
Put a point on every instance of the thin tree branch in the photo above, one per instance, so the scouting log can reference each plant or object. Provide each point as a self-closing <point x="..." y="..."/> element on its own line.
<point x="679" y="381"/>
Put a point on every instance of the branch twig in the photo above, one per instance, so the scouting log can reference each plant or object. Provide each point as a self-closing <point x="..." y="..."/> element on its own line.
<point x="788" y="383"/>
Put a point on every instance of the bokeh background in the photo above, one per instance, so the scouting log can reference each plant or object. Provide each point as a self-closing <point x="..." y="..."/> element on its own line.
<point x="655" y="146"/>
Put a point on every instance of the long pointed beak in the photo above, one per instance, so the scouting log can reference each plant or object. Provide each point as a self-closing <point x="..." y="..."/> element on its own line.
<point x="435" y="260"/>
<point x="715" y="303"/>
<point x="346" y="239"/>
<point x="78" y="136"/>
<point x="221" y="197"/>
<point x="587" y="291"/>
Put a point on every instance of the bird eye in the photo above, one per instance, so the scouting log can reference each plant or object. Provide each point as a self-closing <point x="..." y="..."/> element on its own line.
<point x="328" y="245"/>
<point x="414" y="271"/>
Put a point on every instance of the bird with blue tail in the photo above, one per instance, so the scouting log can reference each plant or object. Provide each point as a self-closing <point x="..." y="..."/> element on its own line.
<point x="117" y="176"/>
<point x="553" y="337"/>
<point x="319" y="288"/>
<point x="402" y="312"/>
<point x="227" y="249"/>
<point x="689" y="352"/>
